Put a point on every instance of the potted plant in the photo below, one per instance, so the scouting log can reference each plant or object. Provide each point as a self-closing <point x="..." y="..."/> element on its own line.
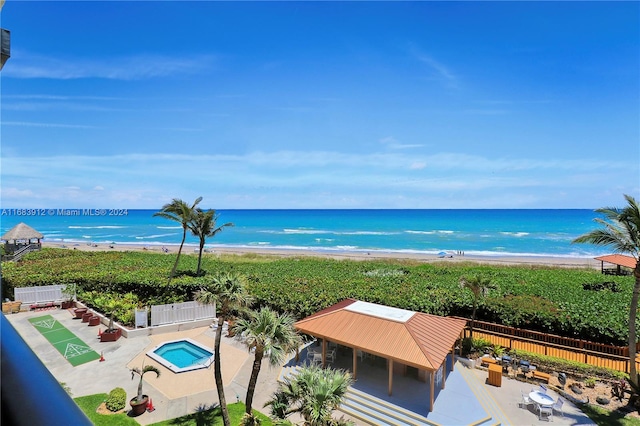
<point x="68" y="293"/>
<point x="139" y="403"/>
<point x="112" y="333"/>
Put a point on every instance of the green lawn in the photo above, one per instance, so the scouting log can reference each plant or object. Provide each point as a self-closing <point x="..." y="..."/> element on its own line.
<point x="89" y="404"/>
<point x="212" y="417"/>
<point x="608" y="418"/>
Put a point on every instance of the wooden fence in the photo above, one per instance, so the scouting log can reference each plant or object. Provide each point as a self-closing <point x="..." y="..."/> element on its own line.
<point x="592" y="353"/>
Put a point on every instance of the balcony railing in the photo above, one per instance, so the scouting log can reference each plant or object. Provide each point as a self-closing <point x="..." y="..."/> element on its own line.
<point x="31" y="396"/>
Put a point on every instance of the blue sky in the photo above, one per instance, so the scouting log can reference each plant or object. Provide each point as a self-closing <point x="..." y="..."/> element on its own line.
<point x="321" y="105"/>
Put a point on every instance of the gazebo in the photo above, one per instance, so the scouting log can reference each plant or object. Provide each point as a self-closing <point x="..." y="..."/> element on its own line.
<point x="20" y="237"/>
<point x="620" y="260"/>
<point x="406" y="339"/>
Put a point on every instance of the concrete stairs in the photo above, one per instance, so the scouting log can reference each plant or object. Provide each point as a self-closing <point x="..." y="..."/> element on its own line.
<point x="368" y="409"/>
<point x="375" y="411"/>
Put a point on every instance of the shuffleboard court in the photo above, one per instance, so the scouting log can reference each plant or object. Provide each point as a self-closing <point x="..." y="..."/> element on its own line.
<point x="68" y="344"/>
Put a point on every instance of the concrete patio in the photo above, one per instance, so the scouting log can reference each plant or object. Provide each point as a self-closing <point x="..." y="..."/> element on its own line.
<point x="466" y="399"/>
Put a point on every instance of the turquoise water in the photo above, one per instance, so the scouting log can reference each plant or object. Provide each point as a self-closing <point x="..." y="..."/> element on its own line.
<point x="476" y="232"/>
<point x="182" y="354"/>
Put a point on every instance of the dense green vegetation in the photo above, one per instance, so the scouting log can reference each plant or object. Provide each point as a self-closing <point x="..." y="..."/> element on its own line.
<point x="541" y="298"/>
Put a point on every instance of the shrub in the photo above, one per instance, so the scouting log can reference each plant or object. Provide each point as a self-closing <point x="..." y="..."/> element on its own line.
<point x="549" y="363"/>
<point x="116" y="400"/>
<point x="590" y="382"/>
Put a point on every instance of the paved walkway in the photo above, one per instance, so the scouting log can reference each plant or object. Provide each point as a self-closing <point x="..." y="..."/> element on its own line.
<point x="174" y="395"/>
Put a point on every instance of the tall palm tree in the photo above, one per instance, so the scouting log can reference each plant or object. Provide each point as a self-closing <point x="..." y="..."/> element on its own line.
<point x="480" y="287"/>
<point x="270" y="334"/>
<point x="203" y="225"/>
<point x="178" y="211"/>
<point x="229" y="293"/>
<point x="621" y="231"/>
<point x="314" y="393"/>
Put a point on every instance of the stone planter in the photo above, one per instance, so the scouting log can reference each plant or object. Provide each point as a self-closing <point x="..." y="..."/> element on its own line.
<point x="15" y="306"/>
<point x="110" y="335"/>
<point x="6" y="307"/>
<point x="87" y="316"/>
<point x="94" y="320"/>
<point x="79" y="312"/>
<point x="138" y="408"/>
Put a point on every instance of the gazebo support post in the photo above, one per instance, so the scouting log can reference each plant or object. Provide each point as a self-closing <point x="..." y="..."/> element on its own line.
<point x="444" y="373"/>
<point x="355" y="363"/>
<point x="431" y="389"/>
<point x="453" y="357"/>
<point x="390" y="376"/>
<point x="324" y="352"/>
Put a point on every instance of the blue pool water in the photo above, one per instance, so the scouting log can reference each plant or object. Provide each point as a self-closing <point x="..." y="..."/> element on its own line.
<point x="182" y="355"/>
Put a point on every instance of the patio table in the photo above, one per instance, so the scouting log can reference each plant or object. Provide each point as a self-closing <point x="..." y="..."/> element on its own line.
<point x="541" y="398"/>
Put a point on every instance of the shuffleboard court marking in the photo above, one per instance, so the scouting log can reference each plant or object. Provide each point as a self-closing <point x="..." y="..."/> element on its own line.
<point x="46" y="323"/>
<point x="68" y="344"/>
<point x="74" y="350"/>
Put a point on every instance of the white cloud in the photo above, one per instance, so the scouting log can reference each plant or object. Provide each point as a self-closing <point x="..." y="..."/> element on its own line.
<point x="113" y="68"/>
<point x="289" y="179"/>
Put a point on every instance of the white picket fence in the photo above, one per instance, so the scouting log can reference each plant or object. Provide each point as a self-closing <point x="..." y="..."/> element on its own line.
<point x="47" y="293"/>
<point x="181" y="312"/>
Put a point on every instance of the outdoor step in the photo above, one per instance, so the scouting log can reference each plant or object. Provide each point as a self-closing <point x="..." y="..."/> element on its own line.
<point x="368" y="414"/>
<point x="374" y="410"/>
<point x="408" y="416"/>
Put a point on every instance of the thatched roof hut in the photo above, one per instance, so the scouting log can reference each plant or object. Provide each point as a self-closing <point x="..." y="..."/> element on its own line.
<point x="22" y="231"/>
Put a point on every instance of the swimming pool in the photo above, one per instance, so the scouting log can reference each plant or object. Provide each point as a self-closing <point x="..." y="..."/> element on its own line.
<point x="182" y="355"/>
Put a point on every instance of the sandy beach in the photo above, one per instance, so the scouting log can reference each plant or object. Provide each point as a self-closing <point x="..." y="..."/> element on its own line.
<point x="555" y="261"/>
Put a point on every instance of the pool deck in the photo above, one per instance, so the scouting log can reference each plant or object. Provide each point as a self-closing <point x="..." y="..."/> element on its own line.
<point x="174" y="395"/>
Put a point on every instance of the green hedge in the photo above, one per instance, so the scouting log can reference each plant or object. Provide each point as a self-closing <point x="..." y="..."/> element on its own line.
<point x="540" y="298"/>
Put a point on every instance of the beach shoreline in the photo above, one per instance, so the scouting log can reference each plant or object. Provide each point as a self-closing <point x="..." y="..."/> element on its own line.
<point x="191" y="249"/>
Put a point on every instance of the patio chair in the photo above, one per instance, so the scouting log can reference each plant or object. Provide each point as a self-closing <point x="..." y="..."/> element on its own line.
<point x="557" y="406"/>
<point x="543" y="389"/>
<point x="526" y="401"/>
<point x="542" y="410"/>
<point x="317" y="358"/>
<point x="331" y="355"/>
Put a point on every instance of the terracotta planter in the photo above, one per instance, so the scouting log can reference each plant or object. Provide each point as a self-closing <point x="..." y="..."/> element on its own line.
<point x="79" y="312"/>
<point x="66" y="304"/>
<point x="111" y="335"/>
<point x="94" y="320"/>
<point x="86" y="316"/>
<point x="138" y="408"/>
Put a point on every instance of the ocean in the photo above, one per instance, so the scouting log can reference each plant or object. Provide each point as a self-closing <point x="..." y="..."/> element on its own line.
<point x="476" y="232"/>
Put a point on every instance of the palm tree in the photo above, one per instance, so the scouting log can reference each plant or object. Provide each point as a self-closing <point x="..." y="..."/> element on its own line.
<point x="266" y="333"/>
<point x="141" y="373"/>
<point x="178" y="211"/>
<point x="480" y="287"/>
<point x="203" y="225"/>
<point x="621" y="231"/>
<point x="229" y="293"/>
<point x="314" y="393"/>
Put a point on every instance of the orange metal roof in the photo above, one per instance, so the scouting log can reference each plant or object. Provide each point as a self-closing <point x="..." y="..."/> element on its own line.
<point x="619" y="259"/>
<point x="423" y="341"/>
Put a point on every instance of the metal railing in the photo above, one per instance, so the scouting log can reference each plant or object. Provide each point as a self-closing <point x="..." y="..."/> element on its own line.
<point x="31" y="396"/>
